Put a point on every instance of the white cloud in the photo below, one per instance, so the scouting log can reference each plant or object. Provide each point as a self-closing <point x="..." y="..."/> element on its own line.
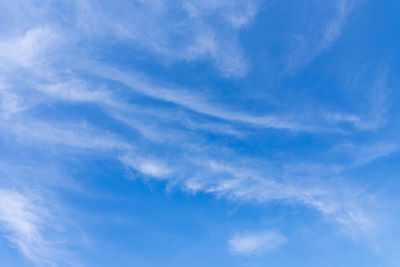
<point x="255" y="243"/>
<point x="31" y="227"/>
<point x="199" y="165"/>
<point x="148" y="167"/>
<point x="200" y="35"/>
<point x="76" y="90"/>
<point x="323" y="35"/>
<point x="185" y="36"/>
<point x="34" y="132"/>
<point x="195" y="102"/>
<point x="377" y="100"/>
<point x="27" y="50"/>
<point x="364" y="154"/>
<point x="191" y="35"/>
<point x="334" y="27"/>
<point x="315" y="121"/>
<point x="10" y="103"/>
<point x="372" y="101"/>
<point x="241" y="182"/>
<point x="237" y="13"/>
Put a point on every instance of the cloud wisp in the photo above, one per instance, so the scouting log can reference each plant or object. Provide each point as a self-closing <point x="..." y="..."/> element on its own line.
<point x="310" y="45"/>
<point x="255" y="243"/>
<point x="29" y="224"/>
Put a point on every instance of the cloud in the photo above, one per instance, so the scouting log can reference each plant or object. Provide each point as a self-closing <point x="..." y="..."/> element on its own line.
<point x="377" y="100"/>
<point x="255" y="243"/>
<point x="336" y="24"/>
<point x="241" y="182"/>
<point x="148" y="167"/>
<point x="9" y="102"/>
<point x="370" y="101"/>
<point x="76" y="90"/>
<point x="199" y="30"/>
<point x="205" y="170"/>
<point x="364" y="154"/>
<point x="28" y="50"/>
<point x="30" y="225"/>
<point x="188" y="138"/>
<point x="313" y="121"/>
<point x="237" y="13"/>
<point x="81" y="136"/>
<point x="195" y="102"/>
<point x="324" y="34"/>
<point x="196" y="25"/>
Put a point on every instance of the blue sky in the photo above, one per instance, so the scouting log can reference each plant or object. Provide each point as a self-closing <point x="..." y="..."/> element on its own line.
<point x="199" y="133"/>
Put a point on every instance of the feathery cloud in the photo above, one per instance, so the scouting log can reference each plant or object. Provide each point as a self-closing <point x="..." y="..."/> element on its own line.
<point x="255" y="243"/>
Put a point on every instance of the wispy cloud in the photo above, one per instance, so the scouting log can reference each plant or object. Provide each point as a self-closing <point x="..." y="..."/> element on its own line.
<point x="323" y="35"/>
<point x="72" y="135"/>
<point x="201" y="35"/>
<point x="255" y="243"/>
<point x="244" y="183"/>
<point x="198" y="102"/>
<point x="9" y="102"/>
<point x="148" y="167"/>
<point x="27" y="50"/>
<point x="316" y="121"/>
<point x="364" y="154"/>
<point x="190" y="139"/>
<point x="30" y="225"/>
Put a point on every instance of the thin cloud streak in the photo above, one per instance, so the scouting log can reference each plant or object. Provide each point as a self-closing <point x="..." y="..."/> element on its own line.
<point x="256" y="243"/>
<point x="309" y="46"/>
<point x="32" y="228"/>
<point x="196" y="103"/>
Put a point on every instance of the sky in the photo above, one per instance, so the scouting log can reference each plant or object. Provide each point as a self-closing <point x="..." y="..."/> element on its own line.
<point x="199" y="133"/>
